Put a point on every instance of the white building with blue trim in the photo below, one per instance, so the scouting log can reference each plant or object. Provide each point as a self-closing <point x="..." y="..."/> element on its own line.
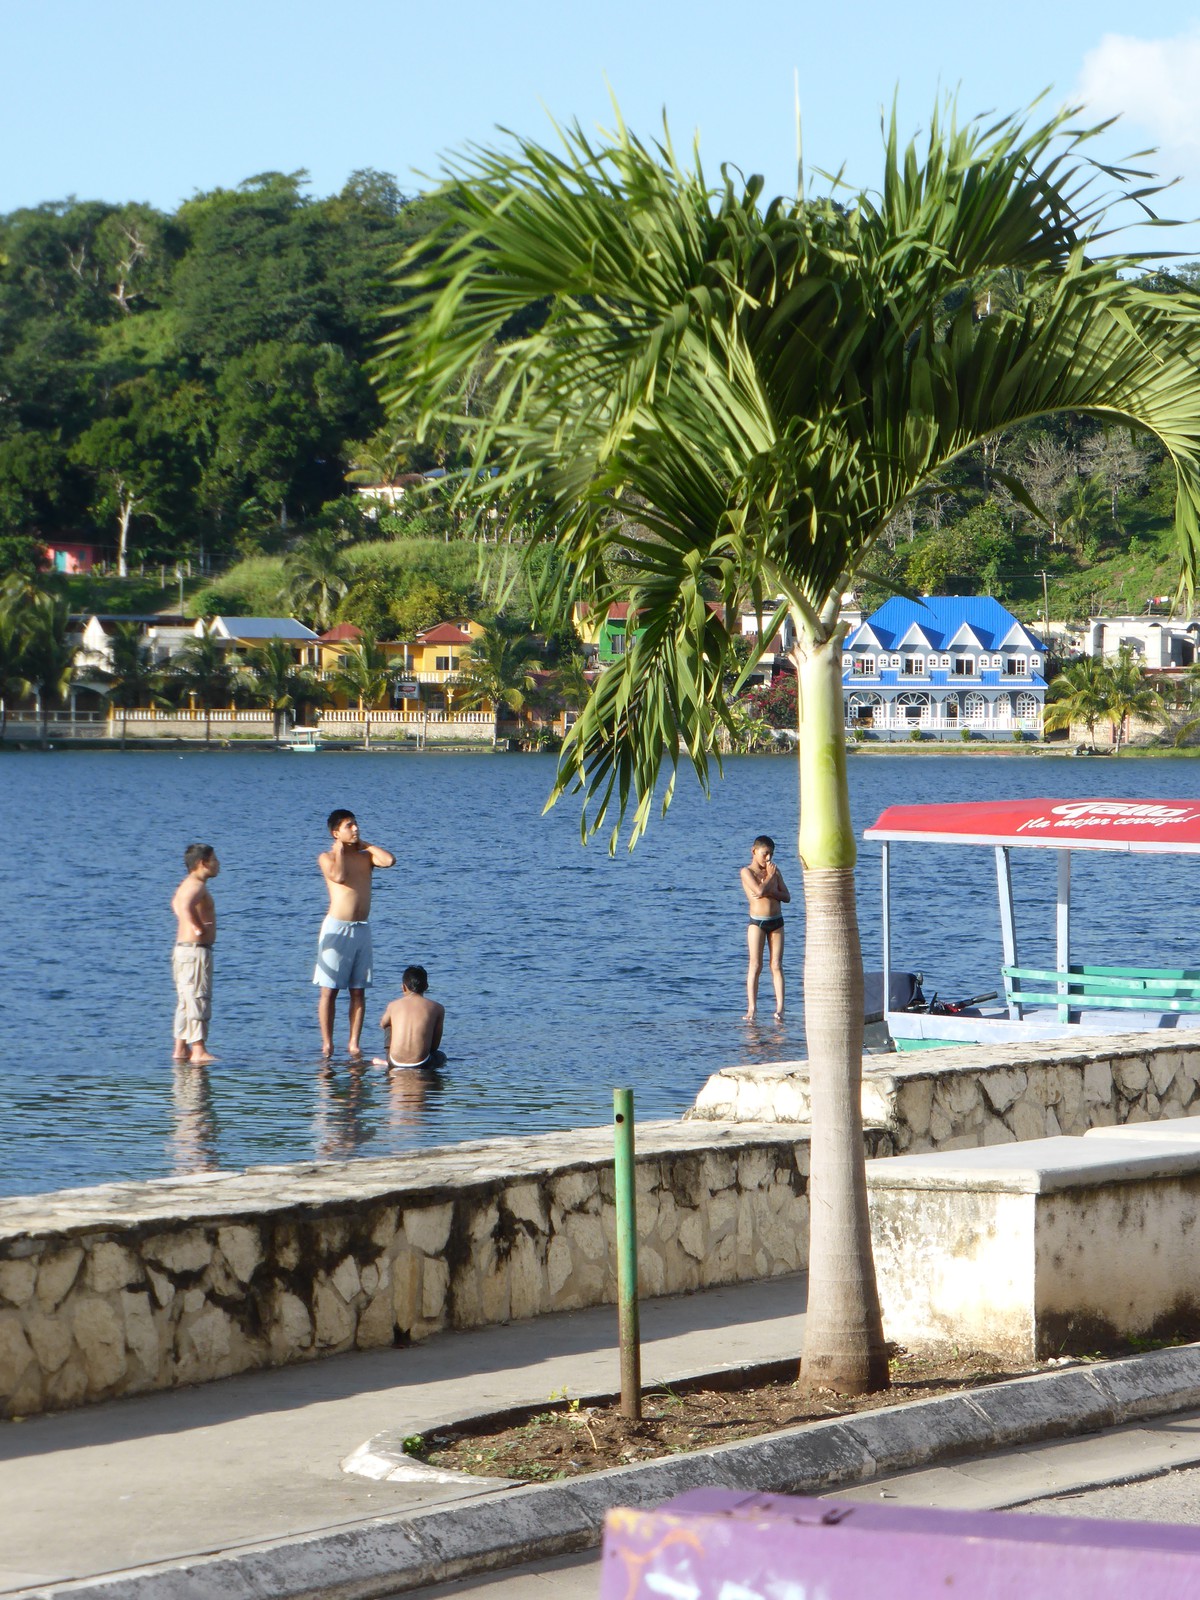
<point x="943" y="664"/>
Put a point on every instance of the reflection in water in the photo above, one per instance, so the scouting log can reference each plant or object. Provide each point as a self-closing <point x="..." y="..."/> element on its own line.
<point x="339" y="1127"/>
<point x="193" y="1145"/>
<point x="408" y="1088"/>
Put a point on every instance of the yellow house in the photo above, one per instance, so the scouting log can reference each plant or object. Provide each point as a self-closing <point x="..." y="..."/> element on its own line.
<point x="432" y="663"/>
<point x="329" y="652"/>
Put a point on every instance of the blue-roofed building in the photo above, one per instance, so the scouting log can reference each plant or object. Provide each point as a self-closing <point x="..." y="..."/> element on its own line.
<point x="943" y="664"/>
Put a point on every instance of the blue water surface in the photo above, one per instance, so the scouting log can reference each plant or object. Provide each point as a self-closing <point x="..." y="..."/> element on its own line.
<point x="564" y="971"/>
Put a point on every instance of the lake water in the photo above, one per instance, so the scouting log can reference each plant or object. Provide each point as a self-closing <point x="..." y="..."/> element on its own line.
<point x="564" y="972"/>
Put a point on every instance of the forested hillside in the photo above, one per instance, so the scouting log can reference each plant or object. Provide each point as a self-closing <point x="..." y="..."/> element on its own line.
<point x="196" y="385"/>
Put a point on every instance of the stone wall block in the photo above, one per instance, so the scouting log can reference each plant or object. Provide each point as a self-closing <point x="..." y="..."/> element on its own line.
<point x="527" y="1203"/>
<point x="1070" y="1107"/>
<point x="1139" y="1113"/>
<point x="716" y="1100"/>
<point x="435" y="1281"/>
<point x="100" y="1334"/>
<point x="333" y="1320"/>
<point x="50" y="1337"/>
<point x="1098" y="1085"/>
<point x="959" y="1094"/>
<point x="1052" y="1128"/>
<point x="574" y="1189"/>
<point x="183" y="1253"/>
<point x="647" y="1178"/>
<point x="481" y="1228"/>
<point x="691" y="1234"/>
<point x="141" y="1333"/>
<point x="17" y="1358"/>
<point x="1131" y="1077"/>
<point x="753" y="1169"/>
<point x="1172" y="1107"/>
<point x="331" y="1237"/>
<point x="291" y="1325"/>
<point x="1104" y="1117"/>
<point x="720" y="1264"/>
<point x="428" y="1229"/>
<point x="667" y="1221"/>
<point x="1163" y="1069"/>
<point x="1041" y="1086"/>
<point x="193" y="1300"/>
<point x="684" y="1176"/>
<point x="941" y="1127"/>
<point x="203" y="1345"/>
<point x="164" y="1289"/>
<point x="242" y="1249"/>
<point x="558" y="1264"/>
<point x="406" y="1289"/>
<point x="606" y="1185"/>
<point x="384" y="1223"/>
<point x="67" y="1387"/>
<point x="57" y="1272"/>
<point x="346" y="1279"/>
<point x="376" y="1323"/>
<point x="495" y="1295"/>
<point x="111" y="1266"/>
<point x="914" y="1105"/>
<point x="1003" y="1087"/>
<point x="1027" y="1120"/>
<point x="652" y="1274"/>
<point x="682" y="1272"/>
<point x="17" y="1279"/>
<point x="527" y="1277"/>
<point x="585" y="1234"/>
<point x="370" y="1276"/>
<point x="723" y="1211"/>
<point x="285" y="1248"/>
<point x="996" y="1132"/>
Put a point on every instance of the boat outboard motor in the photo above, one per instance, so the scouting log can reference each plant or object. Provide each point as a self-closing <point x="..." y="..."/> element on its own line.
<point x="904" y="994"/>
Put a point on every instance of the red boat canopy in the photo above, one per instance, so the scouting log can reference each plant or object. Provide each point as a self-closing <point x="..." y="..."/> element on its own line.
<point x="1135" y="825"/>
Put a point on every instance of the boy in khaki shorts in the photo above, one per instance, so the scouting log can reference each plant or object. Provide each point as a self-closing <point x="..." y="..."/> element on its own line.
<point x="192" y="959"/>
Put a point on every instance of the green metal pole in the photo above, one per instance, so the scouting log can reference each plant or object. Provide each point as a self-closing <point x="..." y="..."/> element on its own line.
<point x="627" y="1267"/>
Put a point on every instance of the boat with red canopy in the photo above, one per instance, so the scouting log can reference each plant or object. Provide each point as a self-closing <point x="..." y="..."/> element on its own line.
<point x="1068" y="999"/>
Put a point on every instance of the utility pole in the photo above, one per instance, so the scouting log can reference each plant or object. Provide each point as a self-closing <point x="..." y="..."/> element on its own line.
<point x="1044" y="576"/>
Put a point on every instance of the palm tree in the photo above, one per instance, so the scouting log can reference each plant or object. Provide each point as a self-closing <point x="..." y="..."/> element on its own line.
<point x="1079" y="694"/>
<point x="365" y="675"/>
<point x="206" y="670"/>
<point x="1131" y="694"/>
<point x="272" y="678"/>
<point x="48" y="658"/>
<point x="716" y="399"/>
<point x="316" y="576"/>
<point x="498" y="668"/>
<point x="14" y="685"/>
<point x="570" y="682"/>
<point x="133" y="675"/>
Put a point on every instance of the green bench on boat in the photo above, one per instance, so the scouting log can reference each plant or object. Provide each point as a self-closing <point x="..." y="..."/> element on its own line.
<point x="1078" y="988"/>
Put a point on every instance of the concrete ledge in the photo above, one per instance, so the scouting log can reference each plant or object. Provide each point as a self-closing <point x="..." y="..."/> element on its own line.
<point x="394" y="1555"/>
<point x="964" y="1096"/>
<point x="1029" y="1250"/>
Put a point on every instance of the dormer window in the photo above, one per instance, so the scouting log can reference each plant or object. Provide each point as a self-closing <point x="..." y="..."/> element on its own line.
<point x="914" y="666"/>
<point x="863" y="666"/>
<point x="1014" y="667"/>
<point x="964" y="666"/>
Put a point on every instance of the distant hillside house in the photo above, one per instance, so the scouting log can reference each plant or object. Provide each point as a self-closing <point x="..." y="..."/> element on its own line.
<point x="943" y="664"/>
<point x="69" y="557"/>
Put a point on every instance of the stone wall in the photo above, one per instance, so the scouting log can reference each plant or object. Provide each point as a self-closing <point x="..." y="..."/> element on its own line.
<point x="129" y="1287"/>
<point x="960" y="1097"/>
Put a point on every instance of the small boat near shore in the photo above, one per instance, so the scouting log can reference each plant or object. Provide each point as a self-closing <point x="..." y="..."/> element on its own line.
<point x="1068" y="999"/>
<point x="301" y="738"/>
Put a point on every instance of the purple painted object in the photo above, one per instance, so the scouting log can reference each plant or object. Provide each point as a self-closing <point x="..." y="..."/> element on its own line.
<point x="714" y="1544"/>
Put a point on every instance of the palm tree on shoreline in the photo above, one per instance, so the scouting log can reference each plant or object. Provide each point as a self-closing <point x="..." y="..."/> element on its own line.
<point x="1131" y="694"/>
<point x="498" y="667"/>
<point x="364" y="676"/>
<point x="1078" y="695"/>
<point x="724" y="401"/>
<point x="133" y="676"/>
<point x="271" y="677"/>
<point x="14" y="685"/>
<point x="48" y="656"/>
<point x="207" y="671"/>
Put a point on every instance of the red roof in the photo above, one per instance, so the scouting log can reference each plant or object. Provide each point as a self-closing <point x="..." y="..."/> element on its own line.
<point x="1133" y="825"/>
<point x="343" y="630"/>
<point x="444" y="633"/>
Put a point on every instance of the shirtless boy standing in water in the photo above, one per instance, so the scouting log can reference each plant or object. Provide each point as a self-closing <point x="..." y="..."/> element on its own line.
<point x="344" y="947"/>
<point x="766" y="891"/>
<point x="413" y="1024"/>
<point x="192" y="959"/>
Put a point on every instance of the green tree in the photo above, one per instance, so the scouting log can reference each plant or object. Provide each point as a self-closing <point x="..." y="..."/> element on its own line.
<point x="570" y="683"/>
<point x="732" y="401"/>
<point x="273" y="679"/>
<point x="206" y="671"/>
<point x="14" y="685"/>
<point x="1131" y="694"/>
<point x="316" y="577"/>
<point x="48" y="658"/>
<point x="133" y="676"/>
<point x="365" y="677"/>
<point x="498" y="667"/>
<point x="1080" y="694"/>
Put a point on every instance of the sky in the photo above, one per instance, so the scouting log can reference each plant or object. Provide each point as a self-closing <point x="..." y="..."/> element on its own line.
<point x="155" y="100"/>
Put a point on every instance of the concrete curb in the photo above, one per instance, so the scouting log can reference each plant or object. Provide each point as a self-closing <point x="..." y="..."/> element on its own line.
<point x="389" y="1555"/>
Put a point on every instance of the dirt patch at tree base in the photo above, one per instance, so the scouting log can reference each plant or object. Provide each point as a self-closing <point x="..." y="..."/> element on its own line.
<point x="571" y="1437"/>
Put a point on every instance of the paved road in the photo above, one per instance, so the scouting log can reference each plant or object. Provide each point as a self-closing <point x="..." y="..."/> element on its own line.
<point x="1085" y="1477"/>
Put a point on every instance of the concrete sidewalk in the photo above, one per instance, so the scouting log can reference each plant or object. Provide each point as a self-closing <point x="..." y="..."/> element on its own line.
<point x="256" y="1459"/>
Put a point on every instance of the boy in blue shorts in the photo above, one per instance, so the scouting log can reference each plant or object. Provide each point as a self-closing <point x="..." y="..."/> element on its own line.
<point x="344" y="946"/>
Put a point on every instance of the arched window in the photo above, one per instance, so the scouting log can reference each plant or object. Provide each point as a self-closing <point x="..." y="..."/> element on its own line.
<point x="862" y="709"/>
<point x="913" y="707"/>
<point x="1027" y="708"/>
<point x="974" y="708"/>
<point x="950" y="708"/>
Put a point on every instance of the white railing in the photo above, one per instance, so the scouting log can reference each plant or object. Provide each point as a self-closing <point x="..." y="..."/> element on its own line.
<point x="410" y="718"/>
<point x="951" y="725"/>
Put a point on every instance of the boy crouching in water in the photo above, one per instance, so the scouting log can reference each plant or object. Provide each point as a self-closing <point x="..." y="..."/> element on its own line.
<point x="413" y="1024"/>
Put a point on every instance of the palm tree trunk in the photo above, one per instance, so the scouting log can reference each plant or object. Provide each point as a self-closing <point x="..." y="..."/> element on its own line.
<point x="843" y="1335"/>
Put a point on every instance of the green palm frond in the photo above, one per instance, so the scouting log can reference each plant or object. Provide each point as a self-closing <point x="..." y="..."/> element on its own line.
<point x="727" y="401"/>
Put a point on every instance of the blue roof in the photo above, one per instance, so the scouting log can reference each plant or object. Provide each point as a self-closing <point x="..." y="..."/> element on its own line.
<point x="940" y="617"/>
